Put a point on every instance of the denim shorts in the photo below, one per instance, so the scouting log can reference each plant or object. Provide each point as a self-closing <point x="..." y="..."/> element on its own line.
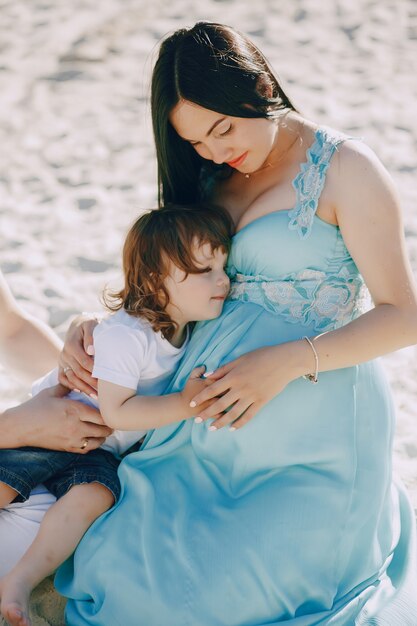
<point x="24" y="468"/>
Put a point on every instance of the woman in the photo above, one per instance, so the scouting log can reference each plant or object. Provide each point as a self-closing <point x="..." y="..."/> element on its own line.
<point x="49" y="420"/>
<point x="293" y="518"/>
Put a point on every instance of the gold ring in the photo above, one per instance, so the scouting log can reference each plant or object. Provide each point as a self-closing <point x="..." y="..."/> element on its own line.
<point x="67" y="368"/>
<point x="84" y="444"/>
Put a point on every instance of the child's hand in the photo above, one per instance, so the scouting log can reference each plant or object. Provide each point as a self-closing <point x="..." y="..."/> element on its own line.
<point x="193" y="386"/>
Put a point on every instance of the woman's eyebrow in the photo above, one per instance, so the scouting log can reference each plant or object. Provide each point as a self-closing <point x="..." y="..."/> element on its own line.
<point x="216" y="123"/>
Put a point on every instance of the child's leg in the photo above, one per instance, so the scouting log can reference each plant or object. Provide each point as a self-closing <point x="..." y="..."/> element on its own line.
<point x="60" y="532"/>
<point x="22" y="469"/>
<point x="7" y="495"/>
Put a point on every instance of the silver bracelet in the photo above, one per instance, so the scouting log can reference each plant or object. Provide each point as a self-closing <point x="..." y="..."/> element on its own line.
<point x="313" y="378"/>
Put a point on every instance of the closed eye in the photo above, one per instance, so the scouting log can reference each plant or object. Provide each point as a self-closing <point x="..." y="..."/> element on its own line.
<point x="226" y="132"/>
<point x="223" y="134"/>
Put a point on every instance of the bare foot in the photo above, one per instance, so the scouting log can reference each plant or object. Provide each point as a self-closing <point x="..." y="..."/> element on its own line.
<point x="15" y="601"/>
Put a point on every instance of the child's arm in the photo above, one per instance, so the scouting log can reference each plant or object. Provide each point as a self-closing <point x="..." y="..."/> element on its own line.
<point x="122" y="409"/>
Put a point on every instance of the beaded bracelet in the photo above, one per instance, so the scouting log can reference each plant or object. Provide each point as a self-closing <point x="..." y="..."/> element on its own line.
<point x="313" y="378"/>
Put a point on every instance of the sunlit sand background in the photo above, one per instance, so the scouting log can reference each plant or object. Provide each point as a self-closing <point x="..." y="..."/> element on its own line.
<point x="76" y="154"/>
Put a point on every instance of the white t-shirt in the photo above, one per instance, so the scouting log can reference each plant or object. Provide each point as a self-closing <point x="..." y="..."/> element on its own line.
<point x="129" y="353"/>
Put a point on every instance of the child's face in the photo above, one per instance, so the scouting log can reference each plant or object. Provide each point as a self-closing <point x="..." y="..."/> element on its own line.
<point x="198" y="296"/>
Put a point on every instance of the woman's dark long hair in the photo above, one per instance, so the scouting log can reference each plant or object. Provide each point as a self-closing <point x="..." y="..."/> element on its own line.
<point x="220" y="69"/>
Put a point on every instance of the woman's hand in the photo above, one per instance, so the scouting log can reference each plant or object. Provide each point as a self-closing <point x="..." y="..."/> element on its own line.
<point x="249" y="382"/>
<point x="49" y="420"/>
<point x="76" y="359"/>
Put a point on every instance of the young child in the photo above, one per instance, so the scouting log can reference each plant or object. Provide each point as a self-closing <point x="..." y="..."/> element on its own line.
<point x="174" y="274"/>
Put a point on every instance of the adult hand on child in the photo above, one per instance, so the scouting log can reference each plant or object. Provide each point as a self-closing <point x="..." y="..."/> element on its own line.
<point x="76" y="359"/>
<point x="50" y="420"/>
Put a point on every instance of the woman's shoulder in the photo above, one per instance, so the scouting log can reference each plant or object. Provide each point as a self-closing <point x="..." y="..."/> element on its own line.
<point x="355" y="161"/>
<point x="351" y="148"/>
<point x="358" y="183"/>
<point x="354" y="176"/>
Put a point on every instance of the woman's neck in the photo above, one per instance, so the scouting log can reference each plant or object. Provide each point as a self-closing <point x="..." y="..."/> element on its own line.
<point x="289" y="135"/>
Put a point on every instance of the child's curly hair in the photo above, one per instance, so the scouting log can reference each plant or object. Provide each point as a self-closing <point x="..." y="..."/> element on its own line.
<point x="158" y="237"/>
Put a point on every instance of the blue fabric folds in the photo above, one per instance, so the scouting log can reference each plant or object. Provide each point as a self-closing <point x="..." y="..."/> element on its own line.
<point x="293" y="519"/>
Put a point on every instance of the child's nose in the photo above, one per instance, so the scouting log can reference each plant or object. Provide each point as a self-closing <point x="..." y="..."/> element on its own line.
<point x="223" y="279"/>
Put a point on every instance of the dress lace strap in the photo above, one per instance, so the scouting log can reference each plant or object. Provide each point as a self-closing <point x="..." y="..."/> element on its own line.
<point x="309" y="182"/>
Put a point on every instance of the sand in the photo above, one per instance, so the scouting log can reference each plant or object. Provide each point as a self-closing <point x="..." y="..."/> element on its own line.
<point x="77" y="161"/>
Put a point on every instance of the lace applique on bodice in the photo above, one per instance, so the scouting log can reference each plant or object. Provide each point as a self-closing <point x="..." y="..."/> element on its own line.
<point x="309" y="183"/>
<point x="310" y="298"/>
<point x="323" y="296"/>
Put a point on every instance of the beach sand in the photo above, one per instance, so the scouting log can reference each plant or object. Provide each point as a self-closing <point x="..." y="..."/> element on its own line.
<point x="77" y="161"/>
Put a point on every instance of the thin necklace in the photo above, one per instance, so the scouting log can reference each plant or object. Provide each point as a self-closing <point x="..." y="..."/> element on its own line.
<point x="264" y="167"/>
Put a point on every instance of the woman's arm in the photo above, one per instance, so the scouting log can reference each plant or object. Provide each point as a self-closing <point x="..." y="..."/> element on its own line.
<point x="49" y="420"/>
<point x="27" y="345"/>
<point x="369" y="216"/>
<point x="368" y="213"/>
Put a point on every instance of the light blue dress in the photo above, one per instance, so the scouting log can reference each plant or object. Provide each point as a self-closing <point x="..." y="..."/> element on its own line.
<point x="295" y="517"/>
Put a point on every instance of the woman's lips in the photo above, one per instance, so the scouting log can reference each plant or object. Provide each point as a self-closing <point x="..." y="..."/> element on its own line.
<point x="238" y="161"/>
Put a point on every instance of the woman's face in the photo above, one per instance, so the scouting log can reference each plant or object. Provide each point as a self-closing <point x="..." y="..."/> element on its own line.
<point x="244" y="143"/>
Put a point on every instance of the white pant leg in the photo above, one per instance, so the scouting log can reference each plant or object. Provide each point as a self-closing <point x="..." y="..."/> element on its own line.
<point x="19" y="524"/>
